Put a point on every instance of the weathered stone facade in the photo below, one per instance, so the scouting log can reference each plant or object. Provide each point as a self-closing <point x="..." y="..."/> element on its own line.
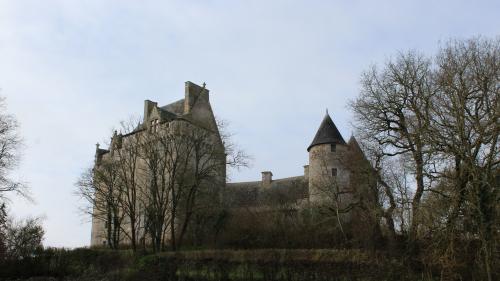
<point x="327" y="157"/>
<point x="191" y="113"/>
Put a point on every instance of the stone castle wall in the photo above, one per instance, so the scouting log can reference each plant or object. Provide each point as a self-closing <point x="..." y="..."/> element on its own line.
<point x="314" y="187"/>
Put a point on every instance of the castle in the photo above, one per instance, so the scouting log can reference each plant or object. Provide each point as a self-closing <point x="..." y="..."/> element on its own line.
<point x="330" y="164"/>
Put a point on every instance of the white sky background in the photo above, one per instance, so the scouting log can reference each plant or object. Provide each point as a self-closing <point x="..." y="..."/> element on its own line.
<point x="71" y="70"/>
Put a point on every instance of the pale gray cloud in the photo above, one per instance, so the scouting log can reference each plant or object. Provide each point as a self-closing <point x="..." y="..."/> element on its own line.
<point x="72" y="69"/>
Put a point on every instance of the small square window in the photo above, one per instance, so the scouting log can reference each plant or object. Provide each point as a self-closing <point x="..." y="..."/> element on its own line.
<point x="334" y="172"/>
<point x="333" y="147"/>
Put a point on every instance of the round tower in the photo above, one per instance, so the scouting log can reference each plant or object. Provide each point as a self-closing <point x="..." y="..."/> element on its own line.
<point x="327" y="152"/>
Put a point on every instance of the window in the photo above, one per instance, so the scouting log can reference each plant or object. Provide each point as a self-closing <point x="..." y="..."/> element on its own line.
<point x="334" y="172"/>
<point x="154" y="125"/>
<point x="333" y="147"/>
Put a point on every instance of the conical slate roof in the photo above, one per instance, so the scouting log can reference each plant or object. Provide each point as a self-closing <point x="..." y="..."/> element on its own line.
<point x="327" y="133"/>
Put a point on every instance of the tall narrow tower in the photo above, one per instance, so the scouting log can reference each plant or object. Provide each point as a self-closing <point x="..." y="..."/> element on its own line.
<point x="326" y="154"/>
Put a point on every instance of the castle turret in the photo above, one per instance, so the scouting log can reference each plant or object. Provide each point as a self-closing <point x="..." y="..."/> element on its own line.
<point x="326" y="154"/>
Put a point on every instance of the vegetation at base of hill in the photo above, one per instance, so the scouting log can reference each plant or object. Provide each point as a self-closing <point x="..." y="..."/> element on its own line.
<point x="61" y="263"/>
<point x="265" y="264"/>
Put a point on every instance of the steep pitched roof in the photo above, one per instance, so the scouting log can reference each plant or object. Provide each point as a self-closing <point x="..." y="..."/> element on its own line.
<point x="101" y="151"/>
<point x="176" y="107"/>
<point x="356" y="148"/>
<point x="327" y="133"/>
<point x="353" y="143"/>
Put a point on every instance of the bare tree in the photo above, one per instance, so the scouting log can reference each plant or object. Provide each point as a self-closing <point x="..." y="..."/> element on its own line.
<point x="153" y="181"/>
<point x="99" y="187"/>
<point x="215" y="154"/>
<point x="395" y="177"/>
<point x="3" y="231"/>
<point x="10" y="146"/>
<point x="392" y="111"/>
<point x="186" y="168"/>
<point x="465" y="131"/>
<point x="23" y="238"/>
<point x="385" y="192"/>
<point x="440" y="120"/>
<point x="195" y="160"/>
<point x="156" y="188"/>
<point x="10" y="152"/>
<point x="236" y="157"/>
<point x="125" y="149"/>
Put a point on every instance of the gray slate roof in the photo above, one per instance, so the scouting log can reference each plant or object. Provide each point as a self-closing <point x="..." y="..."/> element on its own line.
<point x="101" y="151"/>
<point x="327" y="133"/>
<point x="253" y="194"/>
<point x="176" y="107"/>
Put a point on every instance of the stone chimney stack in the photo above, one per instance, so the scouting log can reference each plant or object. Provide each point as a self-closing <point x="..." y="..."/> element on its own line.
<point x="116" y="141"/>
<point x="148" y="106"/>
<point x="306" y="172"/>
<point x="98" y="157"/>
<point x="267" y="178"/>
<point x="192" y="93"/>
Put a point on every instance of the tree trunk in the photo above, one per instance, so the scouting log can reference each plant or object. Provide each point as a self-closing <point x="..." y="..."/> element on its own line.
<point x="415" y="205"/>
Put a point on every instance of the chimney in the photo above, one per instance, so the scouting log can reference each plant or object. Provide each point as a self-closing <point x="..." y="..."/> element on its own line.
<point x="148" y="106"/>
<point x="267" y="178"/>
<point x="97" y="155"/>
<point x="192" y="93"/>
<point x="116" y="141"/>
<point x="306" y="172"/>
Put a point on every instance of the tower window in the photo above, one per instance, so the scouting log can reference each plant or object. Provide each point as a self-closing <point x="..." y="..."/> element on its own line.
<point x="334" y="172"/>
<point x="333" y="147"/>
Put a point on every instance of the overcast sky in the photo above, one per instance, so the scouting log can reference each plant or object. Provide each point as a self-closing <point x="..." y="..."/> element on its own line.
<point x="71" y="70"/>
